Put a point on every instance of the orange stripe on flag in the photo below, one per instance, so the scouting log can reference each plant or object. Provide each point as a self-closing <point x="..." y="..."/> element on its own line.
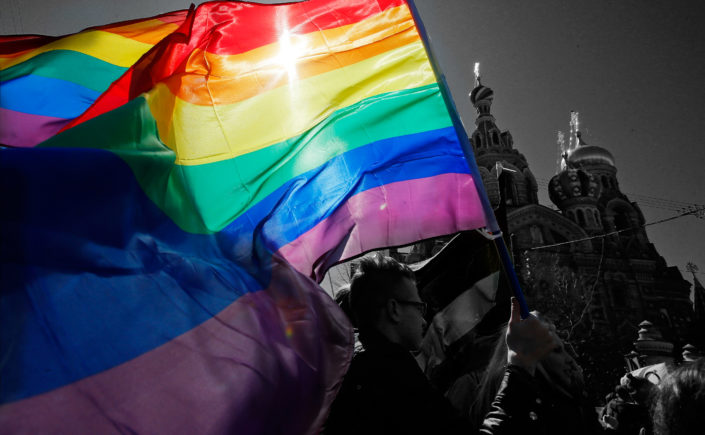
<point x="149" y="31"/>
<point x="237" y="78"/>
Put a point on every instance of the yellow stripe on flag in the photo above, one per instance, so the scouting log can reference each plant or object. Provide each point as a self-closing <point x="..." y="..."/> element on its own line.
<point x="109" y="47"/>
<point x="284" y="112"/>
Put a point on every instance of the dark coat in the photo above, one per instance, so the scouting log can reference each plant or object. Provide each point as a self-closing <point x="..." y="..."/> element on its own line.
<point x="514" y="409"/>
<point x="523" y="407"/>
<point x="385" y="392"/>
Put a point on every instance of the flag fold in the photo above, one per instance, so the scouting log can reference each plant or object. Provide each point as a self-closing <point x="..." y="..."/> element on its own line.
<point x="159" y="255"/>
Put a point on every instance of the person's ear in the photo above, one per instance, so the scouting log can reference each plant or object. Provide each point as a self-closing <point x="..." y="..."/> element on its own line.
<point x="392" y="310"/>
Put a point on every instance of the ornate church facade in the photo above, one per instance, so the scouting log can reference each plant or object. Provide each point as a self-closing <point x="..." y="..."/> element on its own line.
<point x="593" y="251"/>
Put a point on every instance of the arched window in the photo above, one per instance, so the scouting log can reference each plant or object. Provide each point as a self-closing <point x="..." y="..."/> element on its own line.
<point x="622" y="216"/>
<point x="581" y="217"/>
<point x="478" y="141"/>
<point x="495" y="138"/>
<point x="597" y="217"/>
<point x="509" y="189"/>
<point x="605" y="184"/>
<point x="622" y="221"/>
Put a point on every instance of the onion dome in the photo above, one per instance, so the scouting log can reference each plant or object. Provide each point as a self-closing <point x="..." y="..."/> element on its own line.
<point x="589" y="154"/>
<point x="481" y="93"/>
<point x="571" y="184"/>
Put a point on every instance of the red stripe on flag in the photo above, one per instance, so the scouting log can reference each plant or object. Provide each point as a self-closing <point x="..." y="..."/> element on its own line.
<point x="247" y="26"/>
<point x="228" y="28"/>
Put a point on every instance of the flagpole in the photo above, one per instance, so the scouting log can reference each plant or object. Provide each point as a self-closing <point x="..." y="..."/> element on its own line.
<point x="469" y="157"/>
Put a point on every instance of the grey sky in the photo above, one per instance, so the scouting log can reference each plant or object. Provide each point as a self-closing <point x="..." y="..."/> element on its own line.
<point x="633" y="69"/>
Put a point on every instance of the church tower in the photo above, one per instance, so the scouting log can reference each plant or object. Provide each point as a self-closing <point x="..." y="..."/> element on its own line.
<point x="576" y="193"/>
<point x="501" y="166"/>
<point x="596" y="242"/>
<point x="617" y="214"/>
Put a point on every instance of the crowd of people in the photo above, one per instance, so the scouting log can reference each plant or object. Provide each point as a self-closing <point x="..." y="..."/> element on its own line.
<point x="668" y="405"/>
<point x="532" y="383"/>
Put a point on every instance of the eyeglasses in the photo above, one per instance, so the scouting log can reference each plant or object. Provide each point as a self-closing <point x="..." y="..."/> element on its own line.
<point x="422" y="306"/>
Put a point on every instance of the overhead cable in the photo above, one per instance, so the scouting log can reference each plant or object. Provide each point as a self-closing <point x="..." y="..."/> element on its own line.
<point x="697" y="212"/>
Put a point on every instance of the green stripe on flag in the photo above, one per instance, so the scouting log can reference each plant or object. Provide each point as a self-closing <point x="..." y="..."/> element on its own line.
<point x="206" y="198"/>
<point x="67" y="65"/>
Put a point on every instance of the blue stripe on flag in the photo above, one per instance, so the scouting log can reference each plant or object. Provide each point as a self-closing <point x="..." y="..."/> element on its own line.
<point x="46" y="96"/>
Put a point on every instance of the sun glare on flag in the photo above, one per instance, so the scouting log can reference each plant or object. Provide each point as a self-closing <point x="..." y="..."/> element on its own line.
<point x="289" y="52"/>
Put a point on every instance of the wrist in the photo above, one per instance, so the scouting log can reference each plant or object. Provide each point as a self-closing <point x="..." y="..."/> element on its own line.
<point x="516" y="360"/>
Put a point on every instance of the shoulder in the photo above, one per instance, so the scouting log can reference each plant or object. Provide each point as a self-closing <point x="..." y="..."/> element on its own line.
<point x="368" y="398"/>
<point x="398" y="370"/>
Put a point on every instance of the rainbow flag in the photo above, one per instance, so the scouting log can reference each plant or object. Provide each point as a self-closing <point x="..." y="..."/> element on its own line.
<point x="156" y="257"/>
<point x="47" y="81"/>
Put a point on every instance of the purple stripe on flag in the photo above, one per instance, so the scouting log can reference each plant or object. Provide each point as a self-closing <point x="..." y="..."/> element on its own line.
<point x="270" y="362"/>
<point x="391" y="215"/>
<point x="25" y="130"/>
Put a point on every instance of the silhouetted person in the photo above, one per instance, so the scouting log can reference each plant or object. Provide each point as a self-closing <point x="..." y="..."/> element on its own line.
<point x="385" y="391"/>
<point x="628" y="409"/>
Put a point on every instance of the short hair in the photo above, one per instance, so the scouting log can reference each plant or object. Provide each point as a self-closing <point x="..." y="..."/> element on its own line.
<point x="679" y="401"/>
<point x="374" y="282"/>
<point x="342" y="298"/>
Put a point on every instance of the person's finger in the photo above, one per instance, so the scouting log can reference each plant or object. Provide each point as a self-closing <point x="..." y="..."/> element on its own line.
<point x="515" y="315"/>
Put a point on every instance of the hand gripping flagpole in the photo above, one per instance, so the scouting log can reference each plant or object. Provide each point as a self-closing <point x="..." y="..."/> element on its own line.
<point x="490" y="218"/>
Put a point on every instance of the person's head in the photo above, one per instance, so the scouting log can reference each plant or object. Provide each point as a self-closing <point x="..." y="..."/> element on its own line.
<point x="679" y="401"/>
<point x="638" y="388"/>
<point x="384" y="298"/>
<point x="560" y="365"/>
<point x="342" y="298"/>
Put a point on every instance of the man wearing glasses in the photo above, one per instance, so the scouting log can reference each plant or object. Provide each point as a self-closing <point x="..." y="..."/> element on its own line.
<point x="385" y="391"/>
